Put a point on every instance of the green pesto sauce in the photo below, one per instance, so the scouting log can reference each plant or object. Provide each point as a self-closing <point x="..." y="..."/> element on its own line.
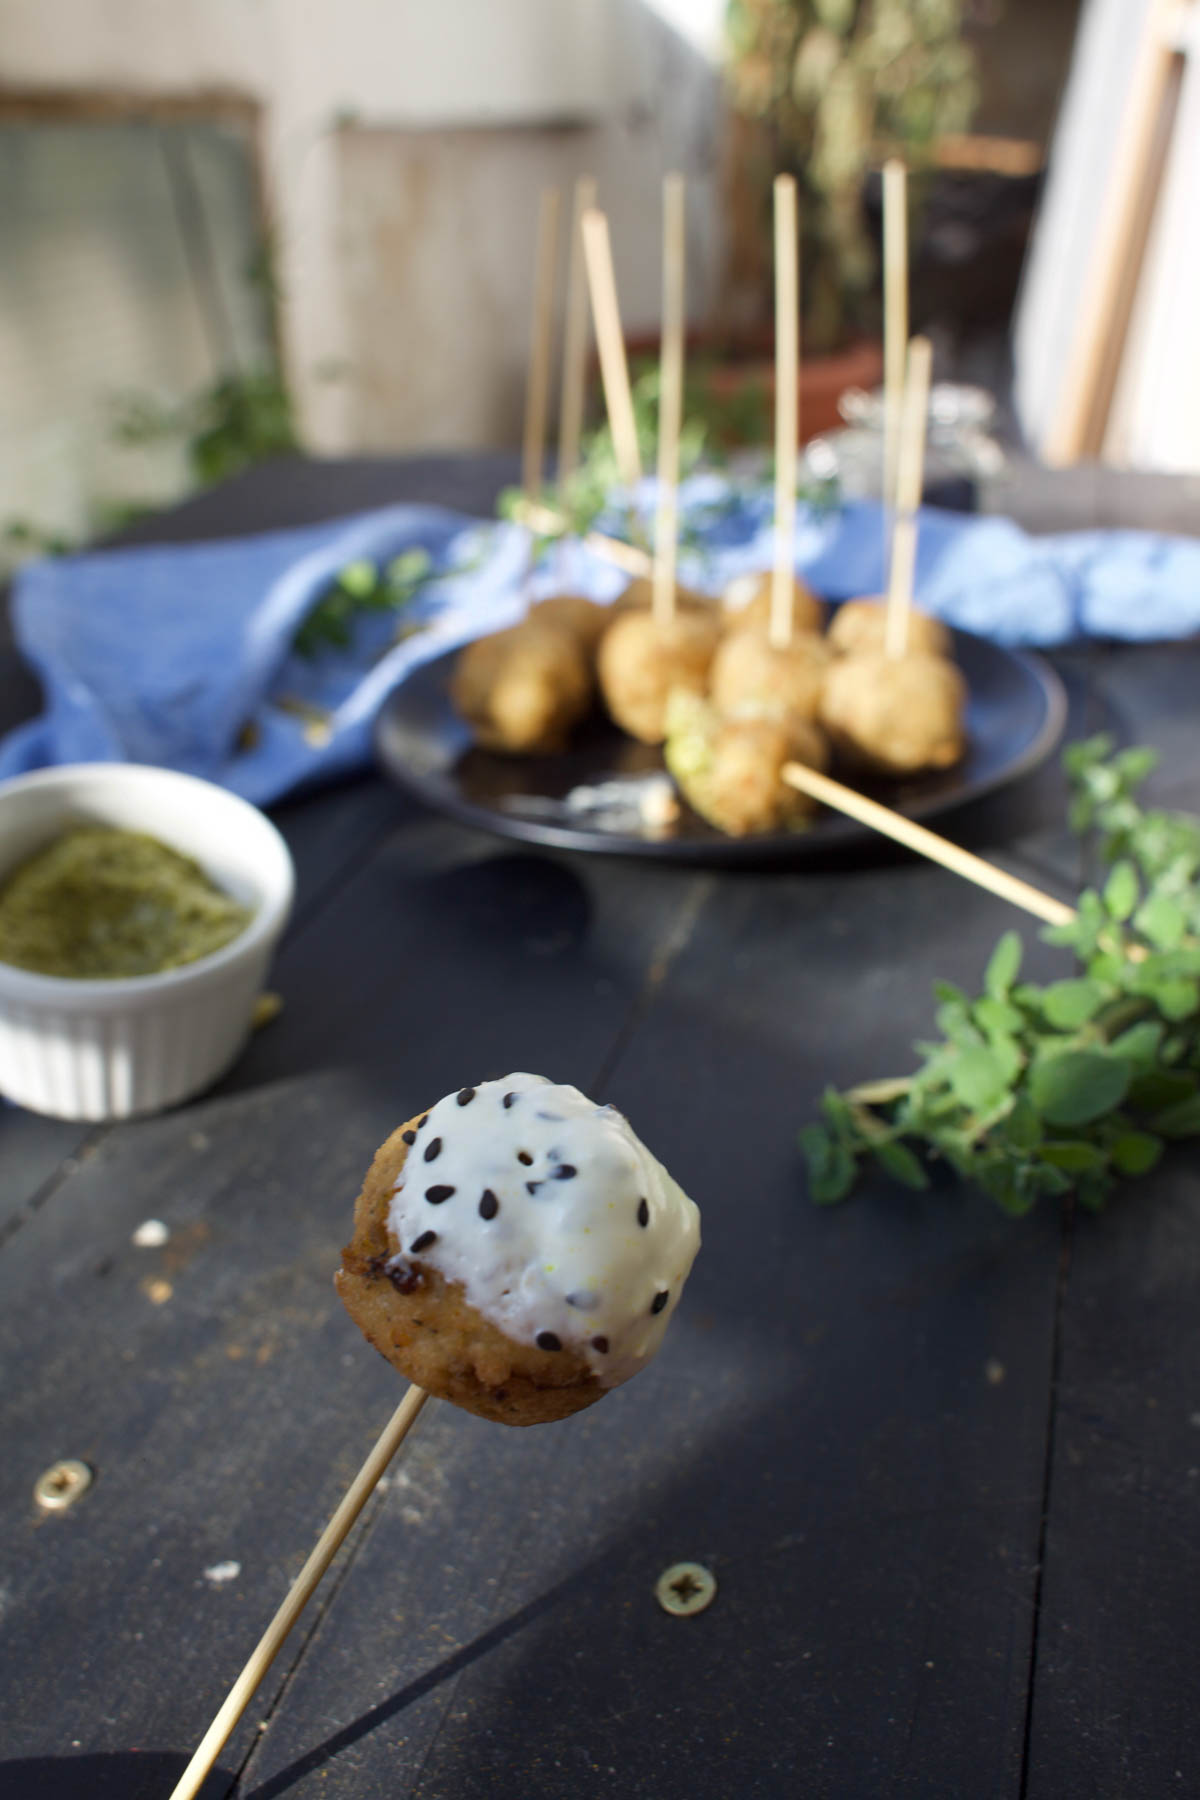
<point x="100" y="903"/>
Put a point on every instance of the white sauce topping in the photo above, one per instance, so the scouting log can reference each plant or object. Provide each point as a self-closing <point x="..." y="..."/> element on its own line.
<point x="554" y="1217"/>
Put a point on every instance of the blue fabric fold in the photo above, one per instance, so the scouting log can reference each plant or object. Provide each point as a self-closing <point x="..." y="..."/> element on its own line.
<point x="182" y="655"/>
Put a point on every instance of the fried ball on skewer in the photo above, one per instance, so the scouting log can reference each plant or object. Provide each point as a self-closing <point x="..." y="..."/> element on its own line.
<point x="748" y="671"/>
<point x="534" y="1267"/>
<point x="640" y="594"/>
<point x="522" y="690"/>
<point x="586" y="620"/>
<point x="747" y="601"/>
<point x="641" y="660"/>
<point x="730" y="770"/>
<point x="896" y="715"/>
<point x="859" y="628"/>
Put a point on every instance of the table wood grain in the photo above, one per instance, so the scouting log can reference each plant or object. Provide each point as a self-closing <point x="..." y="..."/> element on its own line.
<point x="945" y="1466"/>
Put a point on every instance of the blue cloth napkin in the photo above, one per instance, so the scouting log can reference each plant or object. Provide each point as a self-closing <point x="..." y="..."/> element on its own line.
<point x="182" y="655"/>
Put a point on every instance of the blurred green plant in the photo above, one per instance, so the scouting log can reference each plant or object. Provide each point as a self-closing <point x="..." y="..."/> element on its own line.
<point x="240" y="420"/>
<point x="361" y="587"/>
<point x="826" y="90"/>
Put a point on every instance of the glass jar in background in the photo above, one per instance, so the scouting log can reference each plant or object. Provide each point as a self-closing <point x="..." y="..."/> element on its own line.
<point x="959" y="451"/>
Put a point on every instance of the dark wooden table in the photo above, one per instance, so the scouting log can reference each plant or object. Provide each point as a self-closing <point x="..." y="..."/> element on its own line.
<point x="945" y="1466"/>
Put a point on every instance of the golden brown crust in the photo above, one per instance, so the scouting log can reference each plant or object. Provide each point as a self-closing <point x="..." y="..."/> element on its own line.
<point x="586" y="620"/>
<point x="749" y="673"/>
<point x="747" y="603"/>
<point x="896" y="715"/>
<point x="859" y="628"/>
<point x="640" y="661"/>
<point x="432" y="1334"/>
<point x="521" y="690"/>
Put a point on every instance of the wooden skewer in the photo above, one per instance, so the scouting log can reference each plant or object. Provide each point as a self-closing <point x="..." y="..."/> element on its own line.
<point x="895" y="319"/>
<point x="541" y="331"/>
<point x="670" y="399"/>
<point x="787" y="410"/>
<point x="614" y="370"/>
<point x="575" y="335"/>
<point x="243" y="1689"/>
<point x="550" y="523"/>
<point x="927" y="843"/>
<point x="909" y="471"/>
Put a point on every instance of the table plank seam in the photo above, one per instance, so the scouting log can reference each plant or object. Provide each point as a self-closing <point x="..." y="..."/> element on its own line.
<point x="1056" y="1353"/>
<point x="70" y="1166"/>
<point x="673" y="942"/>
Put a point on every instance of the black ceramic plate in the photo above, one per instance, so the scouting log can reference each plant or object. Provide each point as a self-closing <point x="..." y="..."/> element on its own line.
<point x="1014" y="720"/>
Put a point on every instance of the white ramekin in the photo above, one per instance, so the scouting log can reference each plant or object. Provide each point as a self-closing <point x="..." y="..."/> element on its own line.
<point x="109" y="1049"/>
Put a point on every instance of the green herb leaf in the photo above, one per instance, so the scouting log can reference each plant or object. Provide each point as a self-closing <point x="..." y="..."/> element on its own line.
<point x="1003" y="967"/>
<point x="1121" y="890"/>
<point x="1073" y="1155"/>
<point x="1161" y="920"/>
<point x="997" y="1017"/>
<point x="831" y="1167"/>
<point x="1069" y="1004"/>
<point x="900" y="1162"/>
<point x="979" y="1077"/>
<point x="1078" y="1086"/>
<point x="1180" y="1120"/>
<point x="1135" y="1152"/>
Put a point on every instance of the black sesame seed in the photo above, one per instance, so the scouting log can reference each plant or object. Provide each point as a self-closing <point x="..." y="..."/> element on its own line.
<point x="489" y="1206"/>
<point x="433" y="1149"/>
<point x="435" y="1196"/>
<point x="423" y="1120"/>
<point x="408" y="1137"/>
<point x="600" y="1344"/>
<point x="508" y="1100"/>
<point x="659" y="1301"/>
<point x="531" y="1187"/>
<point x="523" y="1156"/>
<point x="565" y="1171"/>
<point x="546" y="1340"/>
<point x="643" y="1213"/>
<point x="423" y="1242"/>
<point x="465" y="1096"/>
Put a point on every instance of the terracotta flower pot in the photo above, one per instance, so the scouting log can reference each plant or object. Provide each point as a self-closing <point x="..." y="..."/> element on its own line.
<point x="741" y="386"/>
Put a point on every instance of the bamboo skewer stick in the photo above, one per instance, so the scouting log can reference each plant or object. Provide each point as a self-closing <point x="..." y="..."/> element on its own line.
<point x="670" y="399"/>
<point x="787" y="410"/>
<point x="895" y="321"/>
<point x="610" y="342"/>
<point x="550" y="523"/>
<point x="575" y="335"/>
<point x="927" y="843"/>
<point x="243" y="1689"/>
<point x="537" y="387"/>
<point x="909" y="471"/>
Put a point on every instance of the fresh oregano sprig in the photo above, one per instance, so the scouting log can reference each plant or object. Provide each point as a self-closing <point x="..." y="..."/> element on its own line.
<point x="1034" y="1090"/>
<point x="361" y="587"/>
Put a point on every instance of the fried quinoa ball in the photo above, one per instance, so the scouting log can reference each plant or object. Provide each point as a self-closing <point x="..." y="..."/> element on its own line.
<point x="747" y="601"/>
<point x="750" y="673"/>
<point x="424" y="1326"/>
<point x="522" y="690"/>
<point x="586" y="620"/>
<point x="730" y="771"/>
<point x="517" y="1250"/>
<point x="896" y="715"/>
<point x="640" y="594"/>
<point x="641" y="661"/>
<point x="859" y="628"/>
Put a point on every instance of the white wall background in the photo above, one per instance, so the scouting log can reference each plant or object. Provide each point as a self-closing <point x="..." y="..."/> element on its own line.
<point x="356" y="92"/>
<point x="1155" y="417"/>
